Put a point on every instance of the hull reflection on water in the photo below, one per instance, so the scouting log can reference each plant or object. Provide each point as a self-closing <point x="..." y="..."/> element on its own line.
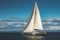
<point x="28" y="37"/>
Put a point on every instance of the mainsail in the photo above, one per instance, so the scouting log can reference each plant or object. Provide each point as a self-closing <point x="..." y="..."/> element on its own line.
<point x="35" y="20"/>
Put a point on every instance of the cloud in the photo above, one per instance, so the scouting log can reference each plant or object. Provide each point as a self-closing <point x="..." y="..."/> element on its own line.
<point x="53" y="28"/>
<point x="50" y="19"/>
<point x="18" y="25"/>
<point x="2" y="26"/>
<point x="51" y="24"/>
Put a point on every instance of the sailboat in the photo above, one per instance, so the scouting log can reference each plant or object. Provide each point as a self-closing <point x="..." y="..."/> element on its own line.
<point x="34" y="25"/>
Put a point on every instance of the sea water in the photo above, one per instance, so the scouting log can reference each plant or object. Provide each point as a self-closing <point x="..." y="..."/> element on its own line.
<point x="18" y="36"/>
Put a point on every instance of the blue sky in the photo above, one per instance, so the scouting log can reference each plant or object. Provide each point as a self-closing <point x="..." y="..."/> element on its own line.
<point x="22" y="9"/>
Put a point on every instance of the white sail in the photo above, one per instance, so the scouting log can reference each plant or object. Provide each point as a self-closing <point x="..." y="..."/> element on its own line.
<point x="35" y="21"/>
<point x="30" y="23"/>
